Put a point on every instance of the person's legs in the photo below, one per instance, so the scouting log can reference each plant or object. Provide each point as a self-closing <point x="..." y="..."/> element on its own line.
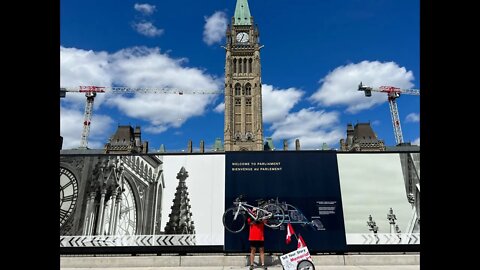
<point x="262" y="256"/>
<point x="252" y="256"/>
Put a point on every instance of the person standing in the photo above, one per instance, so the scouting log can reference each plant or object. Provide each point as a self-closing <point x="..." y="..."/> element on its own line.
<point x="257" y="239"/>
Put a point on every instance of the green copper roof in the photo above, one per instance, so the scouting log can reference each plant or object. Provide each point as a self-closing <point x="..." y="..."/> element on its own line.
<point x="218" y="146"/>
<point x="242" y="13"/>
<point x="270" y="143"/>
<point x="162" y="148"/>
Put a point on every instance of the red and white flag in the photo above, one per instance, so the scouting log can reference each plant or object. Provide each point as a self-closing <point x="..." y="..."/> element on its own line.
<point x="301" y="243"/>
<point x="290" y="232"/>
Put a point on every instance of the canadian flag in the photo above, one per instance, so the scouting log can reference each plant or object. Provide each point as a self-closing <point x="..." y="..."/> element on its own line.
<point x="301" y="243"/>
<point x="290" y="232"/>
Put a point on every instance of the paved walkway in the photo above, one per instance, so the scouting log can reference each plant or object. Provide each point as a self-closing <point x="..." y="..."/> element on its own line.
<point x="321" y="267"/>
<point x="218" y="262"/>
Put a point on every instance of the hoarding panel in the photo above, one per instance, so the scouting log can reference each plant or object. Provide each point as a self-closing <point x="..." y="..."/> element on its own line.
<point x="306" y="183"/>
<point x="141" y="200"/>
<point x="377" y="209"/>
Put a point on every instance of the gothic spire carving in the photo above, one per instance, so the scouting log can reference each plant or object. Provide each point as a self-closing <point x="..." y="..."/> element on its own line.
<point x="180" y="218"/>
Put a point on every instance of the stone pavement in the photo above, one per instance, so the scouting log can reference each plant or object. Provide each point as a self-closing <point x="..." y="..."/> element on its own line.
<point x="317" y="267"/>
<point x="239" y="262"/>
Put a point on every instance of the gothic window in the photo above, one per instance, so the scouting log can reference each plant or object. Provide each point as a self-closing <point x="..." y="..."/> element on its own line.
<point x="250" y="70"/>
<point x="146" y="171"/>
<point x="127" y="220"/>
<point x="245" y="65"/>
<point x="150" y="173"/>
<point x="235" y="65"/>
<point x="248" y="102"/>
<point x="248" y="89"/>
<point x="141" y="167"/>
<point x="240" y="65"/>
<point x="237" y="89"/>
<point x="237" y="117"/>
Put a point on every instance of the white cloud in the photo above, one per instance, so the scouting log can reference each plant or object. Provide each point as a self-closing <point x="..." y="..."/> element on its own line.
<point x="145" y="9"/>
<point x="146" y="67"/>
<point x="147" y="29"/>
<point x="139" y="67"/>
<point x="71" y="127"/>
<point x="220" y="108"/>
<point x="375" y="122"/>
<point x="416" y="141"/>
<point x="412" y="117"/>
<point x="83" y="68"/>
<point x="312" y="128"/>
<point x="155" y="129"/>
<point x="215" y="28"/>
<point x="276" y="103"/>
<point x="162" y="111"/>
<point x="340" y="86"/>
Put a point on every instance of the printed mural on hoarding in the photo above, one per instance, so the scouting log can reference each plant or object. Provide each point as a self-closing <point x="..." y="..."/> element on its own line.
<point x="381" y="197"/>
<point x="141" y="200"/>
<point x="329" y="199"/>
<point x="305" y="185"/>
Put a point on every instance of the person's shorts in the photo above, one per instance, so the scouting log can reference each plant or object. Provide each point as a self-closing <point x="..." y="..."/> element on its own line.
<point x="256" y="244"/>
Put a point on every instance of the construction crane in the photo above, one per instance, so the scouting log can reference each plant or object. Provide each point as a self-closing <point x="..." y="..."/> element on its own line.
<point x="91" y="93"/>
<point x="393" y="93"/>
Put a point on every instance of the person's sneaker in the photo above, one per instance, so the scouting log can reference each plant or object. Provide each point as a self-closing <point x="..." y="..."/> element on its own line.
<point x="251" y="267"/>
<point x="264" y="267"/>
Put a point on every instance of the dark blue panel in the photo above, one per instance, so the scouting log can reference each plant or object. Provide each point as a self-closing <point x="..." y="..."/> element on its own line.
<point x="306" y="181"/>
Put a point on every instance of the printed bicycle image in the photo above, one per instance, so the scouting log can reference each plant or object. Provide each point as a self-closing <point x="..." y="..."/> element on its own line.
<point x="234" y="218"/>
<point x="293" y="215"/>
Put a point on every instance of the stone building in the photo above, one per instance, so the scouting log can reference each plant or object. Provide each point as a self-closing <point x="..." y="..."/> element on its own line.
<point x="361" y="138"/>
<point x="126" y="140"/>
<point x="243" y="129"/>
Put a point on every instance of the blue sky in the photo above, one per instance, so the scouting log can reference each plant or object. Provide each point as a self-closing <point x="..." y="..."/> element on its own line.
<point x="315" y="54"/>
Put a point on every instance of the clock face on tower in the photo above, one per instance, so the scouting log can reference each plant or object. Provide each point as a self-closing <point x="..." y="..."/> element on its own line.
<point x="68" y="194"/>
<point x="242" y="37"/>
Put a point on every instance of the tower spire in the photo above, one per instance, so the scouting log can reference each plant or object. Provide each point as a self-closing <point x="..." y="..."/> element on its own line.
<point x="243" y="130"/>
<point x="242" y="13"/>
<point x="181" y="218"/>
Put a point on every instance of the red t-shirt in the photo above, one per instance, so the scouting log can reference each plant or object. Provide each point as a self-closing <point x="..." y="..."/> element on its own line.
<point x="256" y="231"/>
